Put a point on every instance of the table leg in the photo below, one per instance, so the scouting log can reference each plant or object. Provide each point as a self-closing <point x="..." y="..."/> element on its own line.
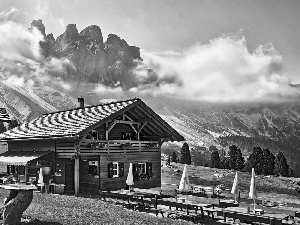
<point x="16" y="206"/>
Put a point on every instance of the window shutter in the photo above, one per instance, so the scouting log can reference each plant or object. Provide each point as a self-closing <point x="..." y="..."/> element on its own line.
<point x="121" y="169"/>
<point x="110" y="170"/>
<point x="149" y="168"/>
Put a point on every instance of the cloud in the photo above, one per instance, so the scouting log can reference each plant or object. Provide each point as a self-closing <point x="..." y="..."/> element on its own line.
<point x="10" y="15"/>
<point x="101" y="89"/>
<point x="21" y="60"/>
<point x="18" y="44"/>
<point x="41" y="9"/>
<point x="221" y="70"/>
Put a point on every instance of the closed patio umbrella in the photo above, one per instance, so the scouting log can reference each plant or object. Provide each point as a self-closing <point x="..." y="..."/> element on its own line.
<point x="252" y="192"/>
<point x="184" y="182"/>
<point x="41" y="178"/>
<point x="129" y="180"/>
<point x="235" y="186"/>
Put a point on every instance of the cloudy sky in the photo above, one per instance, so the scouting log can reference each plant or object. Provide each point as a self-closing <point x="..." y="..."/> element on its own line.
<point x="188" y="38"/>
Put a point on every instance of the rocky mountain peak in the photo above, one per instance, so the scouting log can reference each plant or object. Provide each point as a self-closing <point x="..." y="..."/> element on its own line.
<point x="71" y="34"/>
<point x="50" y="37"/>
<point x="92" y="33"/>
<point x="114" y="39"/>
<point x="39" y="25"/>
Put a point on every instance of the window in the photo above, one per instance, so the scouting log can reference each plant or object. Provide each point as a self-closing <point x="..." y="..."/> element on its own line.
<point x="93" y="167"/>
<point x="142" y="171"/>
<point x="95" y="134"/>
<point x="115" y="169"/>
<point x="20" y="170"/>
<point x="11" y="169"/>
<point x="142" y="168"/>
<point x="126" y="136"/>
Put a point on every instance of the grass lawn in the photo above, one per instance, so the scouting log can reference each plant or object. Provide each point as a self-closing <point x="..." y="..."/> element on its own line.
<point x="47" y="209"/>
<point x="269" y="188"/>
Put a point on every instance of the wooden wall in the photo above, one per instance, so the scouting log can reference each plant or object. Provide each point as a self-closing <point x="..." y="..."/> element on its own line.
<point x="115" y="133"/>
<point x="60" y="165"/>
<point x="65" y="148"/>
<point x="88" y="183"/>
<point x="117" y="183"/>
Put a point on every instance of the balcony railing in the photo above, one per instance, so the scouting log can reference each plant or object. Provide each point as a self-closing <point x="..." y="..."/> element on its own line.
<point x="117" y="145"/>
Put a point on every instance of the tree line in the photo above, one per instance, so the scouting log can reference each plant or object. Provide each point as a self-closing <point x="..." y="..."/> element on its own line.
<point x="262" y="160"/>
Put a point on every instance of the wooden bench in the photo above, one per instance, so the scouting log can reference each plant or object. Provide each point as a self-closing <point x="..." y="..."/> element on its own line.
<point x="249" y="218"/>
<point x="289" y="212"/>
<point x="199" y="194"/>
<point x="182" y="210"/>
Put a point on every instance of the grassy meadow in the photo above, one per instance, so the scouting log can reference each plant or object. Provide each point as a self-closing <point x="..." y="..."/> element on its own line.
<point x="268" y="187"/>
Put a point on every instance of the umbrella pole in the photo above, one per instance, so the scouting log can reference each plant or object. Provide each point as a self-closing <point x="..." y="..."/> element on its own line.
<point x="254" y="204"/>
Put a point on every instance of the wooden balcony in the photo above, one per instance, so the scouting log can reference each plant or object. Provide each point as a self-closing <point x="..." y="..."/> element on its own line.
<point x="111" y="146"/>
<point x="118" y="145"/>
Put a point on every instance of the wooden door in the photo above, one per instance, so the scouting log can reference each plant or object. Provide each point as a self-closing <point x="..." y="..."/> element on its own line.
<point x="69" y="178"/>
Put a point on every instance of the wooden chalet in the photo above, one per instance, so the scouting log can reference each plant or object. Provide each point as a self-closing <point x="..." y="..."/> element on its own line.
<point x="90" y="148"/>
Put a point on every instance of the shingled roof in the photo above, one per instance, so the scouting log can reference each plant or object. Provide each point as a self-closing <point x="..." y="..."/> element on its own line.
<point x="76" y="122"/>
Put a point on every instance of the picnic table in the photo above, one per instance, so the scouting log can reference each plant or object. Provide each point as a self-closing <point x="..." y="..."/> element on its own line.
<point x="275" y="216"/>
<point x="17" y="202"/>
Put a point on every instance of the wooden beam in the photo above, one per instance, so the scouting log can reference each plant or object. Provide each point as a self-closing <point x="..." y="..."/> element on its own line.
<point x="81" y="140"/>
<point x="151" y="127"/>
<point x="125" y="122"/>
<point x="160" y="123"/>
<point x="141" y="126"/>
<point x="106" y="132"/>
<point x="127" y="117"/>
<point x="144" y="120"/>
<point x="76" y="176"/>
<point x="137" y="115"/>
<point x="111" y="126"/>
<point x="134" y="128"/>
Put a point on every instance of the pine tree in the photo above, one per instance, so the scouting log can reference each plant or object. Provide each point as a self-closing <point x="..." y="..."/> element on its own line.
<point x="223" y="159"/>
<point x="240" y="161"/>
<point x="215" y="159"/>
<point x="281" y="166"/>
<point x="269" y="161"/>
<point x="255" y="160"/>
<point x="291" y="172"/>
<point x="185" y="157"/>
<point x="232" y="154"/>
<point x="174" y="157"/>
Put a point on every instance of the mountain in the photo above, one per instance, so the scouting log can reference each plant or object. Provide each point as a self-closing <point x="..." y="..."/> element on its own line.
<point x="109" y="62"/>
<point x="93" y="62"/>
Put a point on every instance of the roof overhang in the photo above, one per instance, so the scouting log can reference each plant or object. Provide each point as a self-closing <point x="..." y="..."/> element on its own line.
<point x="20" y="158"/>
<point x="40" y="138"/>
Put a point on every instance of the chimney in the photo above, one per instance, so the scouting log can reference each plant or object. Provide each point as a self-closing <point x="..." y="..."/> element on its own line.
<point x="81" y="102"/>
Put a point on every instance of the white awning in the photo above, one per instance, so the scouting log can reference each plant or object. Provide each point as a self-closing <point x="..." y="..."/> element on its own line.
<point x="20" y="158"/>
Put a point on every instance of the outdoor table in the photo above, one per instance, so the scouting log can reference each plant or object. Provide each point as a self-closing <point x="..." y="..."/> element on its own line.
<point x="17" y="202"/>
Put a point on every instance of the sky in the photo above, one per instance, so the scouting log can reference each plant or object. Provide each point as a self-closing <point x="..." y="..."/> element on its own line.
<point x="177" y="31"/>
